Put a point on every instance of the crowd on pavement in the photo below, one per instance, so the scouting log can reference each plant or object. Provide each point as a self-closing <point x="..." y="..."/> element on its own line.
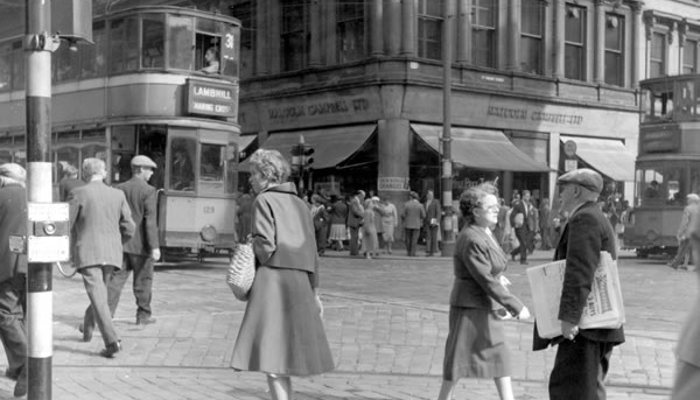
<point x="113" y="231"/>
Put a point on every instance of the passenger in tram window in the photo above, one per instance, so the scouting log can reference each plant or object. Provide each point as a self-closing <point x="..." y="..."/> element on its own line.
<point x="182" y="172"/>
<point x="211" y="58"/>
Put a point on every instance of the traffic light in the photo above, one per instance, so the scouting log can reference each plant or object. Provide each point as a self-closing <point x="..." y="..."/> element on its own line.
<point x="306" y="159"/>
<point x="297" y="158"/>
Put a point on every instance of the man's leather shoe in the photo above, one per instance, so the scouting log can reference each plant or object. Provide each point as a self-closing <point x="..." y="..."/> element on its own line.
<point x="21" y="386"/>
<point x="12" y="374"/>
<point x="145" y="321"/>
<point x="111" y="349"/>
<point x="523" y="263"/>
<point x="87" y="333"/>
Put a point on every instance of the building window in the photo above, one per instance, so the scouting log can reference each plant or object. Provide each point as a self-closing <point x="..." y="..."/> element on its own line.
<point x="430" y="29"/>
<point x="244" y="10"/>
<point x="351" y="30"/>
<point x="531" y="34"/>
<point x="690" y="56"/>
<point x="614" y="44"/>
<point x="657" y="57"/>
<point x="484" y="33"/>
<point x="294" y="35"/>
<point x="575" y="43"/>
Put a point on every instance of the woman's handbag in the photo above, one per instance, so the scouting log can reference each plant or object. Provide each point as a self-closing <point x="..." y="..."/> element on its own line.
<point x="241" y="271"/>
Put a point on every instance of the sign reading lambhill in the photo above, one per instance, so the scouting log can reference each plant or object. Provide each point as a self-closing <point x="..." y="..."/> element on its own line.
<point x="216" y="99"/>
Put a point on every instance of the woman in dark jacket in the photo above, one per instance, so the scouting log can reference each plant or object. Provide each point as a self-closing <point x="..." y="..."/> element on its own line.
<point x="339" y="229"/>
<point x="282" y="333"/>
<point x="480" y="299"/>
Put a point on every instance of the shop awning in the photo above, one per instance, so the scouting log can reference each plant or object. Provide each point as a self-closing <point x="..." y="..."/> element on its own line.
<point x="609" y="157"/>
<point x="331" y="146"/>
<point x="481" y="149"/>
<point x="244" y="141"/>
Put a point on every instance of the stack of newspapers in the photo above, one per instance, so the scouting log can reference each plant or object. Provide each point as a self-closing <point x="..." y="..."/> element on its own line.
<point x="604" y="307"/>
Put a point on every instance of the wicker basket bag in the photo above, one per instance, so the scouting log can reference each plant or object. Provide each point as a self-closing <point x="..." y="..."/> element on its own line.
<point x="241" y="271"/>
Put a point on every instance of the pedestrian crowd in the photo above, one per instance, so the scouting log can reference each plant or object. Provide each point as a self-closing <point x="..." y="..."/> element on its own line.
<point x="114" y="233"/>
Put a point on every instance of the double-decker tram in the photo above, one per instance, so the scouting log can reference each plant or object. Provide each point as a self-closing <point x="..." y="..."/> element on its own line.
<point x="159" y="81"/>
<point x="668" y="162"/>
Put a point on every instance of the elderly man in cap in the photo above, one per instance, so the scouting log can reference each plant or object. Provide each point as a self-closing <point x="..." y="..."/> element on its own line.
<point x="143" y="249"/>
<point x="13" y="274"/>
<point x="100" y="221"/>
<point x="583" y="355"/>
<point x="684" y="231"/>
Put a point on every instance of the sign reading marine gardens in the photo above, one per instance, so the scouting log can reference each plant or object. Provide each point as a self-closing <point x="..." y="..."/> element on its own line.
<point x="215" y="99"/>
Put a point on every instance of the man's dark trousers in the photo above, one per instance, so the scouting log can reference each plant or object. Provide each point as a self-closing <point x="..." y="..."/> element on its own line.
<point x="523" y="236"/>
<point x="143" y="282"/>
<point x="579" y="370"/>
<point x="12" y="328"/>
<point x="354" y="241"/>
<point x="411" y="241"/>
<point x="431" y="233"/>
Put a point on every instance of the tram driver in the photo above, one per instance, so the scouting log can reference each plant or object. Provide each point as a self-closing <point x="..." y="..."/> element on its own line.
<point x="211" y="57"/>
<point x="182" y="172"/>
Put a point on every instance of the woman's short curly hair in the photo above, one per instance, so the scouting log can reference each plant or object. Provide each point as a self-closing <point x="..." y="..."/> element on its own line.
<point x="473" y="197"/>
<point x="271" y="165"/>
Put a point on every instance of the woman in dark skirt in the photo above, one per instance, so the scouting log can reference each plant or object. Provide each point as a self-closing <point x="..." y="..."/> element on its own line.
<point x="480" y="299"/>
<point x="282" y="332"/>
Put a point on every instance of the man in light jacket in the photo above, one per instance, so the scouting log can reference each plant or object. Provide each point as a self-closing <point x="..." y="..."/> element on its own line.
<point x="100" y="221"/>
<point x="684" y="230"/>
<point x="413" y="215"/>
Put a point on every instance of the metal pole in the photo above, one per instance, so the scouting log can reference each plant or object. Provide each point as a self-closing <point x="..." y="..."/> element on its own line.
<point x="448" y="237"/>
<point x="38" y="119"/>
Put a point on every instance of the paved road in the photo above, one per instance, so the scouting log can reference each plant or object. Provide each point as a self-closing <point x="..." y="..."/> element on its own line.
<point x="386" y="321"/>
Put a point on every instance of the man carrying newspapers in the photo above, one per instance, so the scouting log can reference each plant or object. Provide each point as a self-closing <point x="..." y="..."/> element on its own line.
<point x="583" y="355"/>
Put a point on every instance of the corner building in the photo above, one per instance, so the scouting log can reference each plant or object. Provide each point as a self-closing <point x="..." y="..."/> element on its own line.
<point x="362" y="82"/>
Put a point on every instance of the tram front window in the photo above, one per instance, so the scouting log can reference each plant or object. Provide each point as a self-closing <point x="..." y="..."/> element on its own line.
<point x="211" y="173"/>
<point x="663" y="186"/>
<point x="181" y="166"/>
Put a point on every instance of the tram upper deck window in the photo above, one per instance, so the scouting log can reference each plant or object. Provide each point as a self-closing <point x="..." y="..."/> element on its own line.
<point x="211" y="172"/>
<point x="93" y="58"/>
<point x="181" y="166"/>
<point x="153" y="40"/>
<point x="180" y="31"/>
<point x="659" y="105"/>
<point x="123" y="44"/>
<point x="688" y="98"/>
<point x="5" y="67"/>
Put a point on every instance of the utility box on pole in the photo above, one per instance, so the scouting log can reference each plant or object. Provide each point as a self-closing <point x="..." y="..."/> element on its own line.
<point x="72" y="20"/>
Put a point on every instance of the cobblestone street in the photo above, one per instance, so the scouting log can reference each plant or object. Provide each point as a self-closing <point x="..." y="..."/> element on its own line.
<point x="386" y="321"/>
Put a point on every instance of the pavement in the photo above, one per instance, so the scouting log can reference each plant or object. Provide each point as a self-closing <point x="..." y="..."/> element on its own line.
<point x="386" y="321"/>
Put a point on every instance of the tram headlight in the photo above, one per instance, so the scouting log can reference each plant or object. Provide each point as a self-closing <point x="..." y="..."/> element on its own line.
<point x="209" y="233"/>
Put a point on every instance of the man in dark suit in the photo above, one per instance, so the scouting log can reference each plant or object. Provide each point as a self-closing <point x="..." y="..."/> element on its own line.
<point x="583" y="355"/>
<point x="523" y="219"/>
<point x="143" y="249"/>
<point x="13" y="274"/>
<point x="413" y="215"/>
<point x="433" y="212"/>
<point x="100" y="222"/>
<point x="356" y="213"/>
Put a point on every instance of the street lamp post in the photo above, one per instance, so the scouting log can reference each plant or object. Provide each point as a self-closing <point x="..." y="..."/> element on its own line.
<point x="448" y="237"/>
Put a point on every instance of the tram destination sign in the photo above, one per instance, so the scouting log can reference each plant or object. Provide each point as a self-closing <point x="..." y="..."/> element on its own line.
<point x="215" y="99"/>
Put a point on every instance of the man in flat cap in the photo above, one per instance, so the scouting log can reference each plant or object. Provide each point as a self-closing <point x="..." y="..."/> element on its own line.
<point x="583" y="355"/>
<point x="13" y="274"/>
<point x="100" y="221"/>
<point x="142" y="250"/>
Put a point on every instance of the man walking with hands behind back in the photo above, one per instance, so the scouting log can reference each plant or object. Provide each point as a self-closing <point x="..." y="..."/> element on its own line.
<point x="522" y="218"/>
<point x="100" y="222"/>
<point x="143" y="249"/>
<point x="583" y="355"/>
